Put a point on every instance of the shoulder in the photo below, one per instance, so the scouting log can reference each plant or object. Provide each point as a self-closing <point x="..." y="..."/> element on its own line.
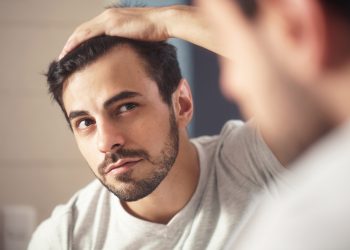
<point x="58" y="228"/>
<point x="230" y="128"/>
<point x="238" y="131"/>
<point x="233" y="126"/>
<point x="235" y="135"/>
<point x="81" y="200"/>
<point x="244" y="138"/>
<point x="239" y="152"/>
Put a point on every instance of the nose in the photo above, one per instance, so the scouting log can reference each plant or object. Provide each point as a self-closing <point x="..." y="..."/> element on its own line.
<point x="109" y="137"/>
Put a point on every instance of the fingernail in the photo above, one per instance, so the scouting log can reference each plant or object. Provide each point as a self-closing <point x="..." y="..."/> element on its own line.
<point x="61" y="56"/>
<point x="65" y="49"/>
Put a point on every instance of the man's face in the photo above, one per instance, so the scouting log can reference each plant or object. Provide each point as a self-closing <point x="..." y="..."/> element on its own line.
<point x="124" y="130"/>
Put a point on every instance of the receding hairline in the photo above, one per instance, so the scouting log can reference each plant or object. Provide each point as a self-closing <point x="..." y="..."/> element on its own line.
<point x="109" y="52"/>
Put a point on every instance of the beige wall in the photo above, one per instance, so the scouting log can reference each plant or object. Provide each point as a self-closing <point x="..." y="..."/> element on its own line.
<point x="40" y="165"/>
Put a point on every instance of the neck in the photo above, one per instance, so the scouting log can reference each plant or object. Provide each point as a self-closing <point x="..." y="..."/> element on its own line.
<point x="174" y="192"/>
<point x="323" y="107"/>
<point x="291" y="141"/>
<point x="335" y="94"/>
<point x="297" y="123"/>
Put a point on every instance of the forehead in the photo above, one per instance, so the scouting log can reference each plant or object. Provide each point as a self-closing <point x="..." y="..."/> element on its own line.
<point x="121" y="69"/>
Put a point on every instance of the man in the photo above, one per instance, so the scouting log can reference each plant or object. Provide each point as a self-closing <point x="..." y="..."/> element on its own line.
<point x="128" y="108"/>
<point x="308" y="43"/>
<point x="299" y="53"/>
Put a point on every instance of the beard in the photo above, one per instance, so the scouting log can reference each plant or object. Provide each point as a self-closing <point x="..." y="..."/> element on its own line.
<point x="131" y="189"/>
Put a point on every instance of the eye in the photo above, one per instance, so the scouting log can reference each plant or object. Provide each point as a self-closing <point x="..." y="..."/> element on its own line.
<point x="84" y="123"/>
<point x="126" y="107"/>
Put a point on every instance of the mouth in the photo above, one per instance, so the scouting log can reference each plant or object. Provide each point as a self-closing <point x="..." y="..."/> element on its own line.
<point x="121" y="165"/>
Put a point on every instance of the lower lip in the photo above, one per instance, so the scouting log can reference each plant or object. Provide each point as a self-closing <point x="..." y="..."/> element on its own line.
<point x="124" y="168"/>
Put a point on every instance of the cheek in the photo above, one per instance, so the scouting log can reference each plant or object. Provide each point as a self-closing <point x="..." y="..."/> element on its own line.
<point x="90" y="153"/>
<point x="150" y="132"/>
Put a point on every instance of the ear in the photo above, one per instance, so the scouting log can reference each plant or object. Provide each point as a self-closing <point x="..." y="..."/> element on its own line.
<point x="183" y="104"/>
<point x="295" y="31"/>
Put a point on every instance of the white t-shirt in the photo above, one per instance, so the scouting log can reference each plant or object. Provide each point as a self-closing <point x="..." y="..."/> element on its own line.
<point x="234" y="167"/>
<point x="312" y="212"/>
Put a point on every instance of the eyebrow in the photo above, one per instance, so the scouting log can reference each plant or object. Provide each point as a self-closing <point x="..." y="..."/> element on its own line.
<point x="118" y="97"/>
<point x="75" y="114"/>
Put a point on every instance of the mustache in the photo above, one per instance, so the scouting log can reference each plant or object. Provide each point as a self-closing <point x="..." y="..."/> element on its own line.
<point x="112" y="157"/>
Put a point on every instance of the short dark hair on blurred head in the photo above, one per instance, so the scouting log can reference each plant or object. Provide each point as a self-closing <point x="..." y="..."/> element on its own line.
<point x="160" y="62"/>
<point x="339" y="7"/>
<point x="248" y="7"/>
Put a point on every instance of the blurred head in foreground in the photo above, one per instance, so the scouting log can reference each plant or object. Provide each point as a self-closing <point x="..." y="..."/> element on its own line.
<point x="290" y="63"/>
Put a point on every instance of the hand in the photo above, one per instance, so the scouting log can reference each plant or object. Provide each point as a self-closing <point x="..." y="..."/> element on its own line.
<point x="150" y="24"/>
<point x="136" y="23"/>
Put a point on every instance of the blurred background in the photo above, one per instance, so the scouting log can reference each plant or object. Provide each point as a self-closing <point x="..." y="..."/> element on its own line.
<point x="40" y="165"/>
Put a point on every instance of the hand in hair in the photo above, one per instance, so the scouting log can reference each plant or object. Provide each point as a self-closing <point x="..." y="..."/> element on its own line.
<point x="149" y="24"/>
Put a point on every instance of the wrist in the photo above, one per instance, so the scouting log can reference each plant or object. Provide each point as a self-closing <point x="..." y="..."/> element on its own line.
<point x="175" y="19"/>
